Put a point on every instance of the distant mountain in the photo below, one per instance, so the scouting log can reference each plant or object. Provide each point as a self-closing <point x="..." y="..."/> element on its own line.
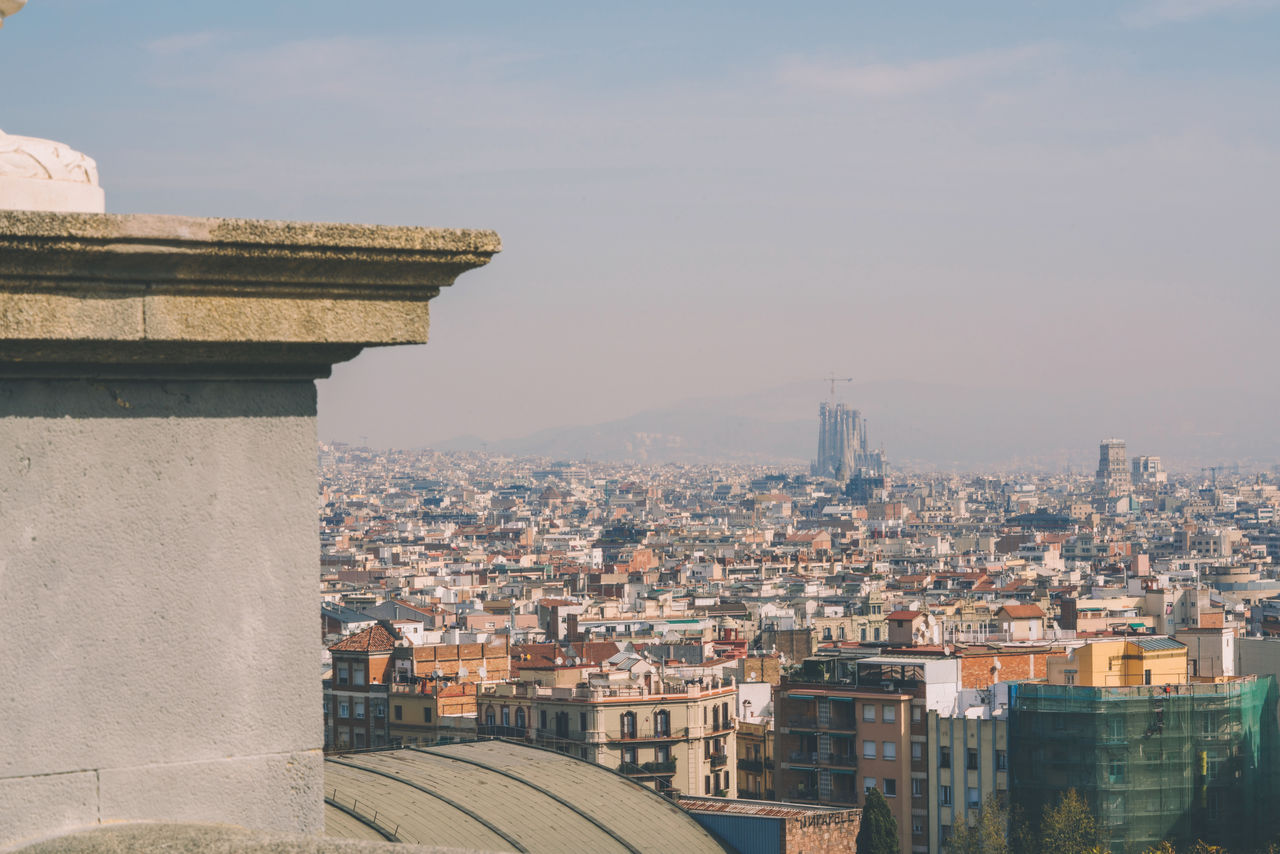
<point x="933" y="425"/>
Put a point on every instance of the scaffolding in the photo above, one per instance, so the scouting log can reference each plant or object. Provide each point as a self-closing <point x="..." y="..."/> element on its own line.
<point x="1154" y="762"/>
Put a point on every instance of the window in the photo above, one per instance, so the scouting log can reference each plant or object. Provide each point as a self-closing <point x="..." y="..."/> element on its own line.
<point x="917" y="750"/>
<point x="868" y="713"/>
<point x="1115" y="771"/>
<point x="359" y="734"/>
<point x="868" y="783"/>
<point x="582" y="721"/>
<point x="917" y="827"/>
<point x="971" y="759"/>
<point x="662" y="753"/>
<point x="543" y="724"/>
<point x="1212" y="764"/>
<point x="877" y="634"/>
<point x="627" y="723"/>
<point x="629" y="755"/>
<point x="344" y="711"/>
<point x="864" y="633"/>
<point x="344" y="673"/>
<point x="826" y="633"/>
<point x="916" y="714"/>
<point x="521" y="719"/>
<point x="379" y="709"/>
<point x="489" y="719"/>
<point x="505" y="712"/>
<point x="662" y="722"/>
<point x="917" y="787"/>
<point x="889" y="750"/>
<point x="426" y="714"/>
<point x="868" y="750"/>
<point x="1002" y="760"/>
<point x="357" y="673"/>
<point x="359" y="709"/>
<point x="706" y="785"/>
<point x="890" y="714"/>
<point x="973" y="797"/>
<point x="944" y="796"/>
<point x="398" y="711"/>
<point x="944" y="757"/>
<point x="890" y="787"/>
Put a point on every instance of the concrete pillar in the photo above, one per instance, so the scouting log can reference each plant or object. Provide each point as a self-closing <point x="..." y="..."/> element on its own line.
<point x="159" y="648"/>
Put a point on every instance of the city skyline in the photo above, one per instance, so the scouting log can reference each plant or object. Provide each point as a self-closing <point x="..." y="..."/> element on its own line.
<point x="722" y="199"/>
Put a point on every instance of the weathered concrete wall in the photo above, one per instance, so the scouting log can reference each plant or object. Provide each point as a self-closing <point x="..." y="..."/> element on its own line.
<point x="158" y="555"/>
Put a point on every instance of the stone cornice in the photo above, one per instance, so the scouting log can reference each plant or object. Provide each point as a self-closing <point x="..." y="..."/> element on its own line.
<point x="181" y="296"/>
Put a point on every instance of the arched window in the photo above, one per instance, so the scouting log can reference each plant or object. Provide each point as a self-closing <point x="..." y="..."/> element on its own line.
<point x="628" y="724"/>
<point x="715" y="717"/>
<point x="520" y="718"/>
<point x="864" y="634"/>
<point x="662" y="722"/>
<point x="489" y="719"/>
<point x="826" y="633"/>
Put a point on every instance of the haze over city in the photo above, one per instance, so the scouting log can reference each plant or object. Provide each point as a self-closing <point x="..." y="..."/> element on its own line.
<point x="1025" y="204"/>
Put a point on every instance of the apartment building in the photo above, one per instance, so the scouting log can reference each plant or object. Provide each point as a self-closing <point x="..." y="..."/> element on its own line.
<point x="665" y="734"/>
<point x="835" y="742"/>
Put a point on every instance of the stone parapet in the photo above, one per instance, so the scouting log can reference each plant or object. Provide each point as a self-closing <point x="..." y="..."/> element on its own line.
<point x="154" y="296"/>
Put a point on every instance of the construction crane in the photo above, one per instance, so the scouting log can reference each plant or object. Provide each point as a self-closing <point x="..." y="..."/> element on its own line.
<point x="833" y="379"/>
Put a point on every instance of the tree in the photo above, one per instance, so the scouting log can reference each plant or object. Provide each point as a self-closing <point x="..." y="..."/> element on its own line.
<point x="989" y="836"/>
<point x="1068" y="827"/>
<point x="878" y="833"/>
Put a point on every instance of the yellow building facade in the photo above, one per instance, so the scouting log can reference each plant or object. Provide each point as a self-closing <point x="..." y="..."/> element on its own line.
<point x="1121" y="662"/>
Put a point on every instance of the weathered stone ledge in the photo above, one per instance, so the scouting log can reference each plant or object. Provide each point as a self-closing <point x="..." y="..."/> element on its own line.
<point x="163" y="295"/>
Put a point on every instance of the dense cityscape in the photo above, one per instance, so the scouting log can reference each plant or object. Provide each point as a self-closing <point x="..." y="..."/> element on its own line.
<point x="602" y="569"/>
<point x="960" y="644"/>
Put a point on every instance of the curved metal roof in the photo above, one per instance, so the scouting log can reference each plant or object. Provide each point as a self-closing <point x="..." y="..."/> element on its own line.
<point x="502" y="796"/>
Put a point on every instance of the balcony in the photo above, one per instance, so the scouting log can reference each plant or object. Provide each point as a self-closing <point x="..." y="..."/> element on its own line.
<point x="811" y="795"/>
<point x="805" y="723"/>
<point x="822" y="760"/>
<point x="719" y="760"/>
<point x="650" y="735"/>
<point x="648" y="769"/>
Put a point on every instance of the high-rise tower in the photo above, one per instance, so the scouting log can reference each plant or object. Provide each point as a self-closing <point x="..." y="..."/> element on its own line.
<point x="1113" y="472"/>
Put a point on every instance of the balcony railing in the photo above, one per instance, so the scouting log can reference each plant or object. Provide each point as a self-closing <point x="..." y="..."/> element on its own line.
<point x="651" y="735"/>
<point x="806" y="722"/>
<point x="826" y="760"/>
<point x="647" y="769"/>
<point x="719" y="760"/>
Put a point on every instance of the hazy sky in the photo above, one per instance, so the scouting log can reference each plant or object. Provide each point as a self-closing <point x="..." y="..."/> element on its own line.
<point x="717" y="197"/>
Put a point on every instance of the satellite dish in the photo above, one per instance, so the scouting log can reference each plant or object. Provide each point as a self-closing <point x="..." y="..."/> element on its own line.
<point x="559" y="661"/>
<point x="483" y="671"/>
<point x="462" y="672"/>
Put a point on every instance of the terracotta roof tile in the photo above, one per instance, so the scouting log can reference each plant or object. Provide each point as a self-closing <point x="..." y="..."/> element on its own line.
<point x="372" y="639"/>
